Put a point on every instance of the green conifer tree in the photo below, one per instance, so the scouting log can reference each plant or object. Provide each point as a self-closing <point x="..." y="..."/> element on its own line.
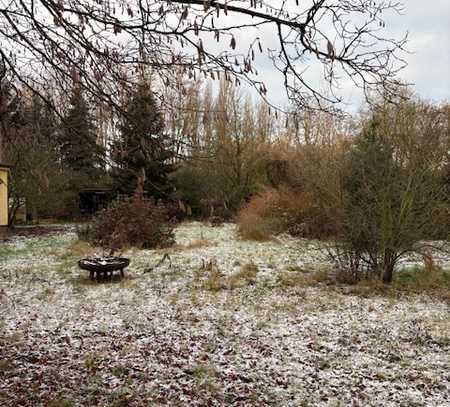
<point x="79" y="149"/>
<point x="142" y="155"/>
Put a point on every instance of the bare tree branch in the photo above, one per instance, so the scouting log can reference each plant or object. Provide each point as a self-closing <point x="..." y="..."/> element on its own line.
<point x="105" y="46"/>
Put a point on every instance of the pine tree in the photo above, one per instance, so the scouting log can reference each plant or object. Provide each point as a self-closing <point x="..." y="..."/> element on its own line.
<point x="11" y="118"/>
<point x="79" y="149"/>
<point x="143" y="152"/>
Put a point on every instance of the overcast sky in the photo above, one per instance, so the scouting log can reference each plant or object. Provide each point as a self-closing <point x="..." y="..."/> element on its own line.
<point x="428" y="25"/>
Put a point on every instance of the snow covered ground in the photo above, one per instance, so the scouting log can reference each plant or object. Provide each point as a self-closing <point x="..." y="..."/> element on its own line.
<point x="221" y="322"/>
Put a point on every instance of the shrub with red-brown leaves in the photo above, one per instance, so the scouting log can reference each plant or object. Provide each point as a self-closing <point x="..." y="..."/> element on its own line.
<point x="135" y="222"/>
<point x="281" y="210"/>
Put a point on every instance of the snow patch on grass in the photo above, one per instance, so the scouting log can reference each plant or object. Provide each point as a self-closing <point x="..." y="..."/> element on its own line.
<point x="161" y="337"/>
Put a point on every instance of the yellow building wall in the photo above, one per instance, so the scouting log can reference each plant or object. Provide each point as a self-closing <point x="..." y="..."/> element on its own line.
<point x="3" y="197"/>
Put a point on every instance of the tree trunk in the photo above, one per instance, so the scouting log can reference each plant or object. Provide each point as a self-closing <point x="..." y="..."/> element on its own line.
<point x="140" y="182"/>
<point x="32" y="214"/>
<point x="388" y="273"/>
<point x="13" y="211"/>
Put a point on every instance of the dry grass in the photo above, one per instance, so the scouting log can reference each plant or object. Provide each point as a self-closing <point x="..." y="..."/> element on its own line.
<point x="435" y="282"/>
<point x="80" y="249"/>
<point x="294" y="276"/>
<point x="254" y="227"/>
<point x="198" y="243"/>
<point x="205" y="375"/>
<point x="321" y="275"/>
<point x="6" y="365"/>
<point x="61" y="402"/>
<point x="194" y="244"/>
<point x="288" y="278"/>
<point x="244" y="277"/>
<point x="216" y="280"/>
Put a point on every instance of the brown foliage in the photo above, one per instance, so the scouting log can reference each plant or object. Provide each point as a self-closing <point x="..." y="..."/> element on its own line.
<point x="283" y="210"/>
<point x="136" y="222"/>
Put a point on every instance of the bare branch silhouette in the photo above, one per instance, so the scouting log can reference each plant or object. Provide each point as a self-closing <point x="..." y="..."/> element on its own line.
<point x="104" y="45"/>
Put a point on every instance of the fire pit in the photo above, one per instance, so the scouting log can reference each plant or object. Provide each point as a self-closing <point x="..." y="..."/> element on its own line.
<point x="103" y="266"/>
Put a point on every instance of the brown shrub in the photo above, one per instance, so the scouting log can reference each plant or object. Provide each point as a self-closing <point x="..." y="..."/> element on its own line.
<point x="253" y="226"/>
<point x="135" y="222"/>
<point x="282" y="210"/>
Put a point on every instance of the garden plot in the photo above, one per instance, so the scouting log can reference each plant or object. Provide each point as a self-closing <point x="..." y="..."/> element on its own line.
<point x="219" y="322"/>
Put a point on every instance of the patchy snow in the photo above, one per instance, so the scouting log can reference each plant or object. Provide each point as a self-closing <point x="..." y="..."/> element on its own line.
<point x="161" y="337"/>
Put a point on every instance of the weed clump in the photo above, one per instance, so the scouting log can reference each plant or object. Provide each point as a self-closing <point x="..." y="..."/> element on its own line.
<point x="244" y="277"/>
<point x="216" y="280"/>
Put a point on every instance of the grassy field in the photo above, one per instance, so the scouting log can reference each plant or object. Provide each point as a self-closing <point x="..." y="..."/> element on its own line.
<point x="220" y="322"/>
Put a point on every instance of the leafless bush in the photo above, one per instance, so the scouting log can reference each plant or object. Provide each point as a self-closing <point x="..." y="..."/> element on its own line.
<point x="136" y="222"/>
